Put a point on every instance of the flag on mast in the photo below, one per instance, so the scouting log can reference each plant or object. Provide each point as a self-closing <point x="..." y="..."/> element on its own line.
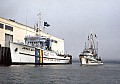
<point x="95" y="35"/>
<point x="46" y="24"/>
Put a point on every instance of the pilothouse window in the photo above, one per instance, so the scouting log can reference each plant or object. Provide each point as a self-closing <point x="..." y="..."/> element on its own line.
<point x="86" y="52"/>
<point x="54" y="41"/>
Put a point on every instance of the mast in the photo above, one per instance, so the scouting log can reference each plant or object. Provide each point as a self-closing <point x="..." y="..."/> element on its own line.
<point x="97" y="49"/>
<point x="39" y="29"/>
<point x="85" y="45"/>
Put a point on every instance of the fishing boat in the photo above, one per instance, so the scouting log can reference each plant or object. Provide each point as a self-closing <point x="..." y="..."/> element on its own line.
<point x="89" y="56"/>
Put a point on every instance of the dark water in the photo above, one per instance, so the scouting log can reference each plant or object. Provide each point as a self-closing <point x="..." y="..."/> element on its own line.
<point x="109" y="73"/>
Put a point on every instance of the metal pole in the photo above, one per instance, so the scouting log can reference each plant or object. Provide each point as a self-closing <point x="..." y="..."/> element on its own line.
<point x="39" y="21"/>
<point x="97" y="49"/>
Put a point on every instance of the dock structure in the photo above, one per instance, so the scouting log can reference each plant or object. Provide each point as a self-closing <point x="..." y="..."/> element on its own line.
<point x="5" y="56"/>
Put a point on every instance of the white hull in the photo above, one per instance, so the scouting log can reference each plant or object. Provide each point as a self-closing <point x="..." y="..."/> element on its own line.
<point x="85" y="60"/>
<point x="30" y="55"/>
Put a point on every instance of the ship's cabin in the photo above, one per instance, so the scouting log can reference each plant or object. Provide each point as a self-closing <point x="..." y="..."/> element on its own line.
<point x="38" y="41"/>
<point x="92" y="51"/>
<point x="86" y="51"/>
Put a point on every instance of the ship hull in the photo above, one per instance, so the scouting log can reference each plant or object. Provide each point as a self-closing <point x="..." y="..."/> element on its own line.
<point x="23" y="54"/>
<point x="88" y="60"/>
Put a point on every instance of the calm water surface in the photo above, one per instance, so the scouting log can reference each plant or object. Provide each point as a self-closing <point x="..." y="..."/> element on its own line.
<point x="109" y="73"/>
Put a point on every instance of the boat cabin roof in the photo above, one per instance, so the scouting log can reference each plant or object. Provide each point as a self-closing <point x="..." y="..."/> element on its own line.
<point x="34" y="37"/>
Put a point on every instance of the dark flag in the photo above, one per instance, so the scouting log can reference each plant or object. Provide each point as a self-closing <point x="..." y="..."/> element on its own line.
<point x="46" y="24"/>
<point x="95" y="35"/>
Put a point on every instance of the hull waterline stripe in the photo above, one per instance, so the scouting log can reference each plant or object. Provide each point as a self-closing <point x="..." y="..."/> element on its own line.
<point x="56" y="58"/>
<point x="43" y="57"/>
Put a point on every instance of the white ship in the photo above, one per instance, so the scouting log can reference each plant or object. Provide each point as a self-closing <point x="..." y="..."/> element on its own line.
<point x="89" y="56"/>
<point x="36" y="50"/>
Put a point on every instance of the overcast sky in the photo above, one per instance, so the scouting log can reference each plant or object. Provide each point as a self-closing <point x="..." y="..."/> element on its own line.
<point x="72" y="20"/>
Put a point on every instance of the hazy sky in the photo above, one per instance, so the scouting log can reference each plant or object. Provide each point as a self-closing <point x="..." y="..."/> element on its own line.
<point x="73" y="21"/>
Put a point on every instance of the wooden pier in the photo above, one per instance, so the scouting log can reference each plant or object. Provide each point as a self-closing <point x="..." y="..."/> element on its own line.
<point x="5" y="56"/>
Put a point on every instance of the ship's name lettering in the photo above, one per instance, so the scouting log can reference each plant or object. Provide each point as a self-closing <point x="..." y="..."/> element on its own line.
<point x="25" y="48"/>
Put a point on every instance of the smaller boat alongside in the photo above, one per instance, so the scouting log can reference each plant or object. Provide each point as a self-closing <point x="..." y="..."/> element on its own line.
<point x="89" y="56"/>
